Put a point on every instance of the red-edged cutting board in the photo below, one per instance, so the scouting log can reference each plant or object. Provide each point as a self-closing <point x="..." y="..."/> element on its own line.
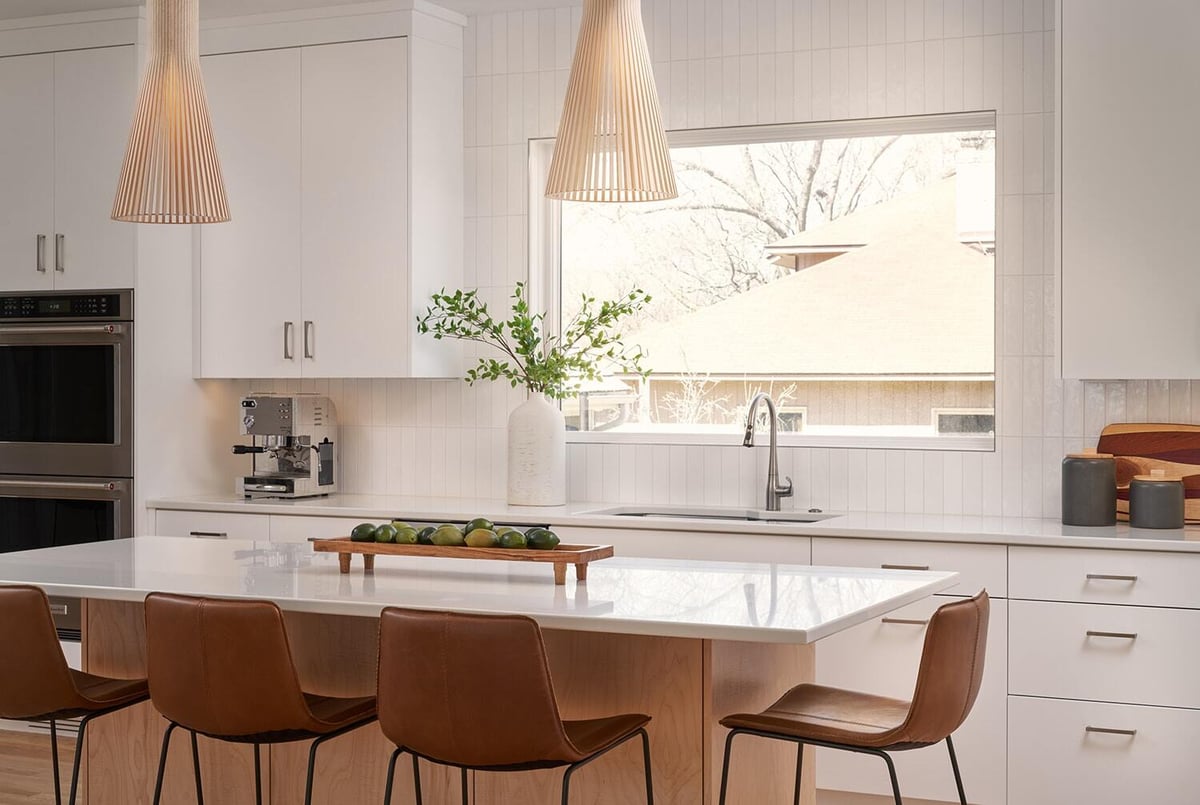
<point x="1141" y="447"/>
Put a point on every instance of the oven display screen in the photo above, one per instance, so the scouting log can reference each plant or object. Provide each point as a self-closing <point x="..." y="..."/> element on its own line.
<point x="49" y="307"/>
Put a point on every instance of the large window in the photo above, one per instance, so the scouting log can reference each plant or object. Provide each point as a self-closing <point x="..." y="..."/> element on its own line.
<point x="846" y="269"/>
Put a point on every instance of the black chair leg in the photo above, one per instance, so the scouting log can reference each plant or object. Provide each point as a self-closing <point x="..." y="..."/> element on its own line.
<point x="196" y="769"/>
<point x="257" y="776"/>
<point x="78" y="756"/>
<point x="465" y="794"/>
<point x="962" y="795"/>
<point x="799" y="773"/>
<point x="646" y="764"/>
<point x="162" y="763"/>
<point x="566" y="785"/>
<point x="892" y="774"/>
<point x="725" y="765"/>
<point x="417" y="779"/>
<point x="54" y="762"/>
<point x="391" y="775"/>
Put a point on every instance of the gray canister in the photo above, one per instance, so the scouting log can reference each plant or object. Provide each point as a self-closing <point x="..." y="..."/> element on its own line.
<point x="1156" y="501"/>
<point x="1089" y="489"/>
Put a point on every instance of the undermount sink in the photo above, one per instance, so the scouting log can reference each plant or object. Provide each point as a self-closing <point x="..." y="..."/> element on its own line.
<point x="714" y="513"/>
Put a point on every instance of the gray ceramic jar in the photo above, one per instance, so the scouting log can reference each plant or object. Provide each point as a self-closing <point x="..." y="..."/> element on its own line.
<point x="1156" y="501"/>
<point x="1089" y="489"/>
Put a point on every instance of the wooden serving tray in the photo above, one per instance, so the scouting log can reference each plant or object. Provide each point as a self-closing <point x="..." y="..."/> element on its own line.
<point x="560" y="557"/>
<point x="1142" y="447"/>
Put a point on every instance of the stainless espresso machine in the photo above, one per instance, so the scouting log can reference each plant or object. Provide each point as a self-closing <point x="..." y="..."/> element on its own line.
<point x="293" y="445"/>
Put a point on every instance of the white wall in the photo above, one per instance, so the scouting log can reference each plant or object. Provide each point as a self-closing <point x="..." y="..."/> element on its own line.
<point x="737" y="62"/>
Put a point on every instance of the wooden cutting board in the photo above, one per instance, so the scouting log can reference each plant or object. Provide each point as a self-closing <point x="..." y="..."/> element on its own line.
<point x="1141" y="447"/>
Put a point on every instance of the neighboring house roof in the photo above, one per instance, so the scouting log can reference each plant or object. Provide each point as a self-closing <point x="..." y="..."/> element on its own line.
<point x="853" y="314"/>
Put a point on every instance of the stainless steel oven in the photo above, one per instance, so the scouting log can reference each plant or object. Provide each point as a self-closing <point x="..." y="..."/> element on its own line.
<point x="66" y="384"/>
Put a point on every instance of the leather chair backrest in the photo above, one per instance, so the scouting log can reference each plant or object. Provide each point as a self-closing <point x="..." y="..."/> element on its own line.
<point x="951" y="669"/>
<point x="471" y="690"/>
<point x="222" y="668"/>
<point x="36" y="678"/>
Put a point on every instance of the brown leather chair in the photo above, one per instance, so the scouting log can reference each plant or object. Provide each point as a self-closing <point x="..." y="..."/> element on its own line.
<point x="438" y="700"/>
<point x="224" y="669"/>
<point x="947" y="683"/>
<point x="38" y="684"/>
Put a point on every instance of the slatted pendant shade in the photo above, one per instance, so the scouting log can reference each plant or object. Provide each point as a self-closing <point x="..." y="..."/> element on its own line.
<point x="611" y="144"/>
<point x="171" y="173"/>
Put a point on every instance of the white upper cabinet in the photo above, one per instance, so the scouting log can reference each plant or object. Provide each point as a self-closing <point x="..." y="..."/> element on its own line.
<point x="248" y="275"/>
<point x="64" y="120"/>
<point x="1128" y="173"/>
<point x="346" y="210"/>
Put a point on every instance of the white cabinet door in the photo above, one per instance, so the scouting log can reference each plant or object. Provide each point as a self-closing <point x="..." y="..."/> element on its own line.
<point x="1128" y="170"/>
<point x="211" y="525"/>
<point x="94" y="93"/>
<point x="882" y="658"/>
<point x="26" y="172"/>
<point x="249" y="307"/>
<point x="293" y="528"/>
<point x="355" y="243"/>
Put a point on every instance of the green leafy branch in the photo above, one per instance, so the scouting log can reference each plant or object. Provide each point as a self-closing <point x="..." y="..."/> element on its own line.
<point x="555" y="365"/>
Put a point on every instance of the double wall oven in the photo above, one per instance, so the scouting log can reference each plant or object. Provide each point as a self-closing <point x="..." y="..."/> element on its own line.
<point x="66" y="423"/>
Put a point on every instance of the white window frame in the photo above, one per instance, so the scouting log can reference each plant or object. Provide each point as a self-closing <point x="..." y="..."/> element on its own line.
<point x="545" y="251"/>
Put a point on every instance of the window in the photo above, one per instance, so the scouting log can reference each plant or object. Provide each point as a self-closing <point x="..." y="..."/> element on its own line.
<point x="847" y="269"/>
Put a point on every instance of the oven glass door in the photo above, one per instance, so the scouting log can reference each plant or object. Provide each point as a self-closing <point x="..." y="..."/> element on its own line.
<point x="38" y="512"/>
<point x="63" y="399"/>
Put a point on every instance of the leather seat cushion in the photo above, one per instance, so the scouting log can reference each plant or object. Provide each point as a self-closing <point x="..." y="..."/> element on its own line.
<point x="829" y="714"/>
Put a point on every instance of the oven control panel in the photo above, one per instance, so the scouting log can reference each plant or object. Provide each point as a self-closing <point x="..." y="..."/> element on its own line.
<point x="62" y="306"/>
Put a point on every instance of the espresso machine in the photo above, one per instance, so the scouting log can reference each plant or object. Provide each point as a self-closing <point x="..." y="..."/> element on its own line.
<point x="293" y="445"/>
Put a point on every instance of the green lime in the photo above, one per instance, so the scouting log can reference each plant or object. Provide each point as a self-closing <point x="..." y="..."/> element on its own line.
<point x="406" y="536"/>
<point x="477" y="523"/>
<point x="447" y="535"/>
<point x="401" y="525"/>
<point x="482" y="538"/>
<point x="423" y="536"/>
<point x="363" y="532"/>
<point x="512" y="538"/>
<point x="386" y="533"/>
<point x="542" y="539"/>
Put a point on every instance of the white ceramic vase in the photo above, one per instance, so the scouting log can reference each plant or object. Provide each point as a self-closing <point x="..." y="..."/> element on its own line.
<point x="537" y="454"/>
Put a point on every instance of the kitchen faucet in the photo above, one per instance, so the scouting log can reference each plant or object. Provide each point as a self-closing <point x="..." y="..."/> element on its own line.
<point x="775" y="490"/>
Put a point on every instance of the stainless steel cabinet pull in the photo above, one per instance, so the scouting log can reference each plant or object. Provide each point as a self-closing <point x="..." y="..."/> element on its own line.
<point x="288" y="340"/>
<point x="309" y="331"/>
<point x="904" y="567"/>
<point x="907" y="621"/>
<point x="66" y="329"/>
<point x="1110" y="577"/>
<point x="60" y="253"/>
<point x="1110" y="731"/>
<point x="209" y="534"/>
<point x="41" y="253"/>
<point x="1120" y="635"/>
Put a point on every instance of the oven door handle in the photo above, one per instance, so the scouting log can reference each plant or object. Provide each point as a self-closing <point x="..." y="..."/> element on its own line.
<point x="97" y="486"/>
<point x="65" y="329"/>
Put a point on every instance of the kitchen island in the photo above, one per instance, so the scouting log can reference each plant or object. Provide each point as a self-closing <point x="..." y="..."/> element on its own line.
<point x="684" y="641"/>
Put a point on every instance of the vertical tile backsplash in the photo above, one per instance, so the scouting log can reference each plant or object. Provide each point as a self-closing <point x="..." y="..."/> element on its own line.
<point x="745" y="62"/>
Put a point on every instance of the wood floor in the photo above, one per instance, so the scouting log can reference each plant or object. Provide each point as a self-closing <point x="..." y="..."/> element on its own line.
<point x="25" y="775"/>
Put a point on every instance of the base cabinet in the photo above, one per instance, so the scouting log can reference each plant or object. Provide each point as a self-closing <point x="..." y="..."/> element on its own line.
<point x="1100" y="754"/>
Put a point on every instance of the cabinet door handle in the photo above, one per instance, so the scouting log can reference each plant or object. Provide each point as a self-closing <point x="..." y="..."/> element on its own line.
<point x="904" y="567"/>
<point x="1110" y="577"/>
<point x="1110" y="731"/>
<point x="41" y="253"/>
<point x="60" y="253"/>
<point x="906" y="621"/>
<point x="289" y="338"/>
<point x="1118" y="635"/>
<point x="209" y="534"/>
<point x="309" y="333"/>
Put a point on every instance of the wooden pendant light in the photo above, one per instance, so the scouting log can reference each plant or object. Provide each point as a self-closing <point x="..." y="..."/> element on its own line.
<point x="171" y="173"/>
<point x="611" y="144"/>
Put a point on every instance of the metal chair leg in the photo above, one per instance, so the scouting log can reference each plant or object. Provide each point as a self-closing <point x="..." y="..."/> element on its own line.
<point x="566" y="785"/>
<point x="162" y="763"/>
<point x="54" y="762"/>
<point x="465" y="795"/>
<point x="79" y="755"/>
<point x="391" y="774"/>
<point x="725" y="765"/>
<point x="646" y="764"/>
<point x="196" y="769"/>
<point x="962" y="796"/>
<point x="799" y="772"/>
<point x="257" y="776"/>
<point x="892" y="774"/>
<point x="417" y="779"/>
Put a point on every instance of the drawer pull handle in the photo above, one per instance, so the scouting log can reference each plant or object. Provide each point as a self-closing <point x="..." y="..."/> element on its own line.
<point x="906" y="621"/>
<point x="1120" y="635"/>
<point x="1110" y="731"/>
<point x="210" y="534"/>
<point x="904" y="567"/>
<point x="1110" y="577"/>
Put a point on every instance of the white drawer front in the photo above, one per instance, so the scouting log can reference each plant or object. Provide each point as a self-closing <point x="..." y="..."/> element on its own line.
<point x="700" y="545"/>
<point x="979" y="566"/>
<point x="1053" y="759"/>
<point x="1052" y="654"/>
<point x="882" y="658"/>
<point x="292" y="528"/>
<point x="212" y="525"/>
<point x="1105" y="577"/>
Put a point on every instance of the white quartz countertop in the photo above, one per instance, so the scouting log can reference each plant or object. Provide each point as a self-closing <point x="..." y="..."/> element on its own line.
<point x="869" y="525"/>
<point x="749" y="601"/>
